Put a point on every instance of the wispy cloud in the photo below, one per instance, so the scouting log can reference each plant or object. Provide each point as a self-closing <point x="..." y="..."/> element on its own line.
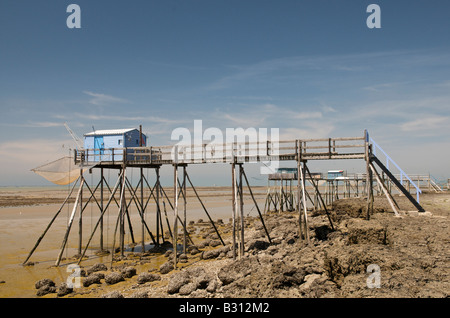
<point x="148" y="119"/>
<point x="362" y="68"/>
<point x="103" y="99"/>
<point x="427" y="124"/>
<point x="35" y="124"/>
<point x="382" y="86"/>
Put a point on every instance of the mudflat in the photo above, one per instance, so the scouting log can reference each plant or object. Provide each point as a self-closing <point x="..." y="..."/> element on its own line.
<point x="385" y="256"/>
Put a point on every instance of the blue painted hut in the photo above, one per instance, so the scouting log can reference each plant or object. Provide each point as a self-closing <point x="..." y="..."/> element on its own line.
<point x="106" y="145"/>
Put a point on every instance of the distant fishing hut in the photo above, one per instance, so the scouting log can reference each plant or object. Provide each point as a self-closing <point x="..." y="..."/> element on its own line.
<point x="107" y="145"/>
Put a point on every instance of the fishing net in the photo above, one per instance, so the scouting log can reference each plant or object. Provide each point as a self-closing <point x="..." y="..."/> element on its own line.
<point x="62" y="171"/>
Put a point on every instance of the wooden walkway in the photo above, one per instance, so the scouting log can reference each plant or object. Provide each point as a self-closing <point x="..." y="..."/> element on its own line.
<point x="236" y="154"/>
<point x="288" y="150"/>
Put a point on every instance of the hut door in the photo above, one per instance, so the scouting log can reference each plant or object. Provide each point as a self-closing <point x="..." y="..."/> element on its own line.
<point x="98" y="147"/>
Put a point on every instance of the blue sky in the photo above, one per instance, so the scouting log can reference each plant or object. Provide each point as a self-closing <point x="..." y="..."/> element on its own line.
<point x="310" y="68"/>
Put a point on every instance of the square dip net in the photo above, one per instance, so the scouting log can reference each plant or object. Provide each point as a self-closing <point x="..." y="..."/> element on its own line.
<point x="62" y="171"/>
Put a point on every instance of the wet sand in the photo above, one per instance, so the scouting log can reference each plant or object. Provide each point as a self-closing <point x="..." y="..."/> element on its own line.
<point x="413" y="253"/>
<point x="26" y="212"/>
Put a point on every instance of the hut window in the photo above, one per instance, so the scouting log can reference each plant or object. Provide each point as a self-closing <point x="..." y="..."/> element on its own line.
<point x="137" y="141"/>
<point x="119" y="141"/>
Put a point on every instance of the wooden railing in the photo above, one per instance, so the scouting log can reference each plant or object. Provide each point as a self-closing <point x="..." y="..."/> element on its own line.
<point x="308" y="149"/>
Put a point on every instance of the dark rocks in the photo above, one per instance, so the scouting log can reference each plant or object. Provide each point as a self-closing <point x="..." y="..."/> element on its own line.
<point x="128" y="272"/>
<point x="322" y="232"/>
<point x="193" y="250"/>
<point x="45" y="286"/>
<point x="46" y="289"/>
<point x="114" y="278"/>
<point x="147" y="277"/>
<point x="237" y="270"/>
<point x="93" y="278"/>
<point x="287" y="276"/>
<point x="139" y="294"/>
<point x="210" y="254"/>
<point x="64" y="290"/>
<point x="166" y="267"/>
<point x="96" y="268"/>
<point x="214" y="243"/>
<point x="44" y="282"/>
<point x="114" y="294"/>
<point x="362" y="231"/>
<point x="177" y="281"/>
<point x="183" y="258"/>
<point x="191" y="279"/>
<point x="258" y="245"/>
<point x="221" y="251"/>
<point x="187" y="289"/>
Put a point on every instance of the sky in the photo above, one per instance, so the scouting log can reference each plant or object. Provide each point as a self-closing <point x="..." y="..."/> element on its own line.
<point x="312" y="69"/>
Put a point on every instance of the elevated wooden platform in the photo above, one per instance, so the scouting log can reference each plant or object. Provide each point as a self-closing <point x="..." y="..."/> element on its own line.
<point x="288" y="150"/>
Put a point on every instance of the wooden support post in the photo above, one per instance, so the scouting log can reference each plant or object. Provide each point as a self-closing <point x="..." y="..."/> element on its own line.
<point x="158" y="209"/>
<point x="142" y="203"/>
<point x="204" y="209"/>
<point x="390" y="199"/>
<point x="96" y="225"/>
<point x="101" y="209"/>
<point x="241" y="207"/>
<point x="319" y="195"/>
<point x="122" y="214"/>
<point x="369" y="180"/>
<point x="51" y="222"/>
<point x="66" y="236"/>
<point x="299" y="189"/>
<point x="80" y="220"/>
<point x="175" y="224"/>
<point x="135" y="199"/>
<point x="234" y="202"/>
<point x="257" y="207"/>
<point x="184" y="209"/>
<point x="305" y="215"/>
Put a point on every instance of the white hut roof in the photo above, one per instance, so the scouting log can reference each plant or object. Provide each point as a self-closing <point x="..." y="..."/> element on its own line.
<point x="109" y="132"/>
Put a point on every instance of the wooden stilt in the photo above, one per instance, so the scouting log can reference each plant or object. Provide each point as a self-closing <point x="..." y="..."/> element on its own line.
<point x="256" y="205"/>
<point x="204" y="209"/>
<point x="369" y="182"/>
<point x="234" y="200"/>
<point x="320" y="196"/>
<point x="175" y="224"/>
<point x="66" y="236"/>
<point x="305" y="215"/>
<point x="122" y="213"/>
<point x="184" y="209"/>
<point x="158" y="209"/>
<point x="141" y="170"/>
<point x="390" y="199"/>
<point x="51" y="222"/>
<point x="241" y="208"/>
<point x="101" y="209"/>
<point x="80" y="219"/>
<point x="141" y="214"/>
<point x="98" y="222"/>
<point x="299" y="189"/>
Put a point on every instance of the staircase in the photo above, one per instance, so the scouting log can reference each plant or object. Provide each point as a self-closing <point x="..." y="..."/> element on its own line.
<point x="386" y="168"/>
<point x="434" y="185"/>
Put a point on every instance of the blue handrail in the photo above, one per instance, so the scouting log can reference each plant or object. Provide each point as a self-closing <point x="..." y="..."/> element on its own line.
<point x="389" y="159"/>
